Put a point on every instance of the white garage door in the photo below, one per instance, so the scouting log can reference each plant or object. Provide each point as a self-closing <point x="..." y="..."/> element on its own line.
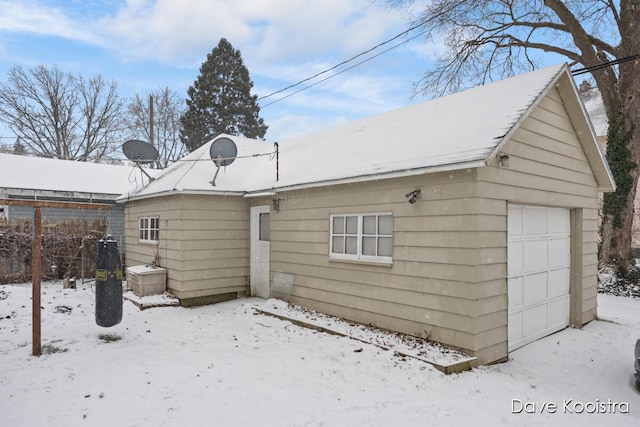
<point x="538" y="272"/>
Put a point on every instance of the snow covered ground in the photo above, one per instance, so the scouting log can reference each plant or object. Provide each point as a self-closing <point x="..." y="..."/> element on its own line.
<point x="227" y="365"/>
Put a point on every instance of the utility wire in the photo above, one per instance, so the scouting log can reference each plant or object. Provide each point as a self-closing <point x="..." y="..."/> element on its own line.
<point x="604" y="65"/>
<point x="346" y="61"/>
<point x="340" y="72"/>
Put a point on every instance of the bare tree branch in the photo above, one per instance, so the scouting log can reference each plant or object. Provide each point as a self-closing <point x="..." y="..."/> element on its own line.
<point x="56" y="114"/>
<point x="168" y="106"/>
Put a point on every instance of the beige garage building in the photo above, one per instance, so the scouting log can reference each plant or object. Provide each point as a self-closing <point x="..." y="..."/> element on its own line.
<point x="471" y="218"/>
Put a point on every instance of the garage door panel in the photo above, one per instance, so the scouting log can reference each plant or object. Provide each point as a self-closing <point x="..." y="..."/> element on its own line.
<point x="515" y="291"/>
<point x="558" y="282"/>
<point x="514" y="221"/>
<point x="515" y="326"/>
<point x="559" y="313"/>
<point x="559" y="252"/>
<point x="559" y="221"/>
<point x="535" y="288"/>
<point x="535" y="255"/>
<point x="535" y="221"/>
<point x="534" y="320"/>
<point x="515" y="258"/>
<point x="538" y="272"/>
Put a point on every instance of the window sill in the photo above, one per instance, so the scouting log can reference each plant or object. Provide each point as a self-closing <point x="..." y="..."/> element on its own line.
<point x="149" y="242"/>
<point x="362" y="262"/>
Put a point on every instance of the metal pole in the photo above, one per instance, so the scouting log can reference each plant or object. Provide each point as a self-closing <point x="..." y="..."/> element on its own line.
<point x="277" y="160"/>
<point x="36" y="263"/>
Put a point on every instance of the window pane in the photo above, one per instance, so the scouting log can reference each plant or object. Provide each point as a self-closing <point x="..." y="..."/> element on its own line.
<point x="265" y="227"/>
<point x="385" y="225"/>
<point x="385" y="246"/>
<point x="155" y="223"/>
<point x="143" y="228"/>
<point x="338" y="245"/>
<point x="369" y="246"/>
<point x="338" y="225"/>
<point x="352" y="245"/>
<point x="369" y="224"/>
<point x="352" y="225"/>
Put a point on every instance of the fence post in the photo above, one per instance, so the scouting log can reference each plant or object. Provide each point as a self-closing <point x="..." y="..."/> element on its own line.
<point x="36" y="275"/>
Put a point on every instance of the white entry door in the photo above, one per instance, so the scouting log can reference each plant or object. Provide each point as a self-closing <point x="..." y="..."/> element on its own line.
<point x="260" y="249"/>
<point x="539" y="259"/>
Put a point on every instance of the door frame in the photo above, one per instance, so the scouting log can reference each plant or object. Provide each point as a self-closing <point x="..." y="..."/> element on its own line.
<point x="254" y="239"/>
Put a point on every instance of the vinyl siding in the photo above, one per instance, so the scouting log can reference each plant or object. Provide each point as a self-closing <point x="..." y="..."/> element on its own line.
<point x="428" y="290"/>
<point x="204" y="242"/>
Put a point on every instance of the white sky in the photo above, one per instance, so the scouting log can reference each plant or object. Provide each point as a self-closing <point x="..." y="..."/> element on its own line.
<point x="148" y="44"/>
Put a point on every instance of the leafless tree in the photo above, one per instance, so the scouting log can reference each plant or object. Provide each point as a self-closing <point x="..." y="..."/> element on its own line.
<point x="168" y="106"/>
<point x="59" y="115"/>
<point x="484" y="40"/>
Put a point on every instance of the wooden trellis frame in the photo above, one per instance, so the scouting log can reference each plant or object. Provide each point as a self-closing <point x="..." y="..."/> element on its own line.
<point x="36" y="262"/>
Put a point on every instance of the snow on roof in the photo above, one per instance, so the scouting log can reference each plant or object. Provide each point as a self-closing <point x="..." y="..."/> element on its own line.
<point x="453" y="132"/>
<point x="253" y="168"/>
<point x="38" y="173"/>
<point x="592" y="100"/>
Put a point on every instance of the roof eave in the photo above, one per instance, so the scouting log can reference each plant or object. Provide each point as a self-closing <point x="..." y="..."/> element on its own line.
<point x="586" y="133"/>
<point x="383" y="175"/>
<point x="525" y="114"/>
<point x="130" y="198"/>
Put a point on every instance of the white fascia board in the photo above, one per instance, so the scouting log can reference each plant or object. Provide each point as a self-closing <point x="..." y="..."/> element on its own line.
<point x="124" y="198"/>
<point x="396" y="174"/>
<point x="260" y="194"/>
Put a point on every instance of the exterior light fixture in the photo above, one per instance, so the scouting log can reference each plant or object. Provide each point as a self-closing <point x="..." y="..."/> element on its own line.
<point x="503" y="160"/>
<point x="412" y="196"/>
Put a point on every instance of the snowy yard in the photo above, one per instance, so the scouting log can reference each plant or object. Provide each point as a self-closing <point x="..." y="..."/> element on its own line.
<point x="227" y="365"/>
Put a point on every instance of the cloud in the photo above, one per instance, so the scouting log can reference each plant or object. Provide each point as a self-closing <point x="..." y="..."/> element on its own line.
<point x="35" y="18"/>
<point x="265" y="32"/>
<point x="281" y="41"/>
<point x="270" y="35"/>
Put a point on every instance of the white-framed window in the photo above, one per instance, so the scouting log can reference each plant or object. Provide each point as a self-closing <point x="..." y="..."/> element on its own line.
<point x="149" y="229"/>
<point x="4" y="211"/>
<point x="363" y="237"/>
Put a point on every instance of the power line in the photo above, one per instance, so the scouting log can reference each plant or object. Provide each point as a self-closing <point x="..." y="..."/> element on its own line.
<point x="604" y="65"/>
<point x="342" y="71"/>
<point x="347" y="61"/>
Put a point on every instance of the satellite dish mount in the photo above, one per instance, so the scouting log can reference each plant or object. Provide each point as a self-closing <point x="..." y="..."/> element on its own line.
<point x="223" y="152"/>
<point x="141" y="153"/>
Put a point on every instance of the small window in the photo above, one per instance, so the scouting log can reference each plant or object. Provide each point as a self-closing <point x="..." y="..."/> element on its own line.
<point x="4" y="210"/>
<point x="149" y="230"/>
<point x="367" y="237"/>
<point x="265" y="227"/>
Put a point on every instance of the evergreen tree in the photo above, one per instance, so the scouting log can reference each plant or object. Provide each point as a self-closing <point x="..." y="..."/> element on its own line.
<point x="220" y="100"/>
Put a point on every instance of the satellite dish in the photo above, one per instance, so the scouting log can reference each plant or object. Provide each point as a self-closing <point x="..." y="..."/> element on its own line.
<point x="140" y="152"/>
<point x="223" y="152"/>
